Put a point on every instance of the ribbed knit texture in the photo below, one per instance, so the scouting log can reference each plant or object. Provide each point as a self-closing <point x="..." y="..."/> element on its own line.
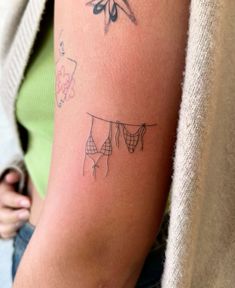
<point x="12" y="74"/>
<point x="11" y="12"/>
<point x="20" y="52"/>
<point x="201" y="249"/>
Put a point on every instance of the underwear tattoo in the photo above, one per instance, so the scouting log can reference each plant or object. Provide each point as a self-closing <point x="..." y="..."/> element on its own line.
<point x="65" y="71"/>
<point x="111" y="10"/>
<point x="131" y="141"/>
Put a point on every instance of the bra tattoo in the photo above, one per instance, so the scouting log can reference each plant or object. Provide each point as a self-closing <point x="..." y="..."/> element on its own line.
<point x="131" y="141"/>
<point x="111" y="10"/>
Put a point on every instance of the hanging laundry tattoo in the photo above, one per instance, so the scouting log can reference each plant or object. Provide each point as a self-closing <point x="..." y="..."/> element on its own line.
<point x="65" y="71"/>
<point x="111" y="10"/>
<point x="91" y="149"/>
<point x="131" y="141"/>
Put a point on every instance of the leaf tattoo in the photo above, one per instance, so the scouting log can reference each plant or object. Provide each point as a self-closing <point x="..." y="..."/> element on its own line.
<point x="111" y="9"/>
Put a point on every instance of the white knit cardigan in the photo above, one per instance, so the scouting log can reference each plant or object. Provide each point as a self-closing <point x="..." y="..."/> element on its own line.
<point x="201" y="243"/>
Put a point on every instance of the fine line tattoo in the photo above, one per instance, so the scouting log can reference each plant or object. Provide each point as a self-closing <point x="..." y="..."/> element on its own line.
<point x="111" y="10"/>
<point x="131" y="141"/>
<point x="65" y="71"/>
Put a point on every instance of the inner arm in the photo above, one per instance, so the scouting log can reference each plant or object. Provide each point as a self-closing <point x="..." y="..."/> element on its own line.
<point x="119" y="70"/>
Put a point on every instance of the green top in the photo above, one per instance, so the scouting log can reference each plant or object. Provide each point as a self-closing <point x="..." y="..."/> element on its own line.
<point x="35" y="108"/>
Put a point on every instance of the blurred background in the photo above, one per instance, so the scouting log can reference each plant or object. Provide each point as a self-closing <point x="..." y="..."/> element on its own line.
<point x="7" y="22"/>
<point x="5" y="263"/>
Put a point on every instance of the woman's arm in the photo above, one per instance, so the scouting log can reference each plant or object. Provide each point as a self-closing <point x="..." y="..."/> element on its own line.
<point x="120" y="61"/>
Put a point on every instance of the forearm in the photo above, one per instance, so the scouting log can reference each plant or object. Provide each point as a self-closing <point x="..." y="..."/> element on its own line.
<point x="101" y="217"/>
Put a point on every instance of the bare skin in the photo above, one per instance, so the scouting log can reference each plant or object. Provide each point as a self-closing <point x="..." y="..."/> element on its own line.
<point x="37" y="203"/>
<point x="99" y="229"/>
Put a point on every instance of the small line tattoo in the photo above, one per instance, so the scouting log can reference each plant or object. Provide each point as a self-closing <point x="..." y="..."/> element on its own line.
<point x="111" y="10"/>
<point x="131" y="141"/>
<point x="65" y="70"/>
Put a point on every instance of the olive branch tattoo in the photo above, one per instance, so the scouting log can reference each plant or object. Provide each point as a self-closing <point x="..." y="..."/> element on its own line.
<point x="111" y="9"/>
<point x="131" y="141"/>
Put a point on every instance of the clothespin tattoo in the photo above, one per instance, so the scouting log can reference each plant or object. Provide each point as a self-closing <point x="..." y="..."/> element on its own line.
<point x="111" y="10"/>
<point x="131" y="141"/>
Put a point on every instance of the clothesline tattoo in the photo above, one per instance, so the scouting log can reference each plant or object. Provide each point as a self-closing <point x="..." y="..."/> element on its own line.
<point x="131" y="141"/>
<point x="65" y="70"/>
<point x="111" y="10"/>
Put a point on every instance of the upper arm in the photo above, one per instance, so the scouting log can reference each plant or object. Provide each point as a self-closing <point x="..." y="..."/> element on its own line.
<point x="121" y="62"/>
